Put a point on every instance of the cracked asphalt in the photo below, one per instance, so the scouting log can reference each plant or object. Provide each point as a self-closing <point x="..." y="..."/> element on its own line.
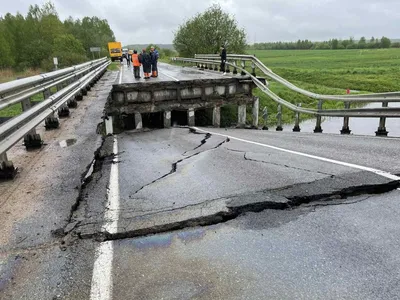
<point x="200" y="215"/>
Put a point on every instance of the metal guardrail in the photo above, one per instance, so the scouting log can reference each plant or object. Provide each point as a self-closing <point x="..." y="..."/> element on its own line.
<point x="72" y="83"/>
<point x="211" y="61"/>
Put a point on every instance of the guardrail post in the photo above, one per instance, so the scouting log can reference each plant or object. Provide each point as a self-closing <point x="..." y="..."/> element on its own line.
<point x="279" y="118"/>
<point x="51" y="122"/>
<point x="253" y="69"/>
<point x="256" y="108"/>
<point x="217" y="116"/>
<point x="215" y="67"/>
<point x="167" y="119"/>
<point x="243" y="64"/>
<point x="72" y="103"/>
<point x="318" y="128"/>
<point x="345" y="128"/>
<point x="382" y="124"/>
<point x="7" y="169"/>
<point x="241" y="115"/>
<point x="63" y="111"/>
<point x="227" y="68"/>
<point x="296" y="127"/>
<point x="191" y="117"/>
<point x="46" y="94"/>
<point x="32" y="139"/>
<point x="59" y="87"/>
<point x="265" y="117"/>
<point x="234" y="67"/>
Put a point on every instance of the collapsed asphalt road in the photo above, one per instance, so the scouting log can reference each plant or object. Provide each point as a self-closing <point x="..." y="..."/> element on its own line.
<point x="164" y="184"/>
<point x="172" y="179"/>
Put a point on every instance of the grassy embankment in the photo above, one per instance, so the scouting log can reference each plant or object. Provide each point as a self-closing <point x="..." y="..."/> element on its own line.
<point x="328" y="72"/>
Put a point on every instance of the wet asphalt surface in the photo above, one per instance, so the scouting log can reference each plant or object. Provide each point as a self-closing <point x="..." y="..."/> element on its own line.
<point x="326" y="249"/>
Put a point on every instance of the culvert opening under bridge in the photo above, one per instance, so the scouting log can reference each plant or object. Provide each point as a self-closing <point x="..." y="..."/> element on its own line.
<point x="203" y="117"/>
<point x="179" y="118"/>
<point x="153" y="120"/>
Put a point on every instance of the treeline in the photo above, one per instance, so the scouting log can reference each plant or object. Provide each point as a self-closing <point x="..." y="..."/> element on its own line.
<point x="333" y="44"/>
<point x="33" y="40"/>
<point x="162" y="50"/>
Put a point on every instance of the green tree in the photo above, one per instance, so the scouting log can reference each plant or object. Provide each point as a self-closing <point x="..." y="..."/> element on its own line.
<point x="362" y="43"/>
<point x="206" y="32"/>
<point x="335" y="44"/>
<point x="385" y="42"/>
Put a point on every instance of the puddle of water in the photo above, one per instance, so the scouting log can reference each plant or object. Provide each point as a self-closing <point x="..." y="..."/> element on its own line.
<point x="67" y="143"/>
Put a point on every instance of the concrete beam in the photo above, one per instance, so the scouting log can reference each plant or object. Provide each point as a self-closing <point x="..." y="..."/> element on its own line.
<point x="167" y="119"/>
<point x="217" y="116"/>
<point x="191" y="118"/>
<point x="241" y="115"/>
<point x="138" y="121"/>
<point x="256" y="107"/>
<point x="109" y="125"/>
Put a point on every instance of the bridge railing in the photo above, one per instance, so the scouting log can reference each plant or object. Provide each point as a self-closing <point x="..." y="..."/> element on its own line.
<point x="71" y="84"/>
<point x="211" y="62"/>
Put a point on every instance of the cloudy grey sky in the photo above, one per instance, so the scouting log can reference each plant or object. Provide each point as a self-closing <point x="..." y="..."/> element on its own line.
<point x="137" y="22"/>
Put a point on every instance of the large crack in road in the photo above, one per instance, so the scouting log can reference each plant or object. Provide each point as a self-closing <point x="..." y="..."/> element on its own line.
<point x="223" y="209"/>
<point x="174" y="165"/>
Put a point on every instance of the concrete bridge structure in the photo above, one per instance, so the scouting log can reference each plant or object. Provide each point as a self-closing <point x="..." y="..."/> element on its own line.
<point x="177" y="96"/>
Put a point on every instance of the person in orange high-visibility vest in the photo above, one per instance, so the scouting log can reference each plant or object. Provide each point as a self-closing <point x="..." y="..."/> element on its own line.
<point x="136" y="64"/>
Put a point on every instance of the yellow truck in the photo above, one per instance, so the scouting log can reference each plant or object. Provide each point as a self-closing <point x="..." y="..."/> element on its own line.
<point x="115" y="50"/>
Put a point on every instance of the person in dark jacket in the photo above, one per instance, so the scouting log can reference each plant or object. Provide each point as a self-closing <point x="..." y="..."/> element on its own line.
<point x="154" y="60"/>
<point x="145" y="60"/>
<point x="223" y="59"/>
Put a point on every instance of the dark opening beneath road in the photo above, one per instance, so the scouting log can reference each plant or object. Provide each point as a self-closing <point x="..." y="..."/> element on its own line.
<point x="179" y="117"/>
<point x="229" y="115"/>
<point x="203" y="117"/>
<point x="153" y="120"/>
<point x="129" y="122"/>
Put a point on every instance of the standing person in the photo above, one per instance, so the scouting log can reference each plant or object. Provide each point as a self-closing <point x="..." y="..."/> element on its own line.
<point x="154" y="59"/>
<point x="145" y="60"/>
<point x="129" y="57"/>
<point x="136" y="64"/>
<point x="223" y="59"/>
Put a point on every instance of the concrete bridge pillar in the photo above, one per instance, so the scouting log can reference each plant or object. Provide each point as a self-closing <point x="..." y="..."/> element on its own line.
<point x="241" y="115"/>
<point x="167" y="119"/>
<point x="138" y="120"/>
<point x="109" y="125"/>
<point x="191" y="119"/>
<point x="217" y="116"/>
<point x="256" y="107"/>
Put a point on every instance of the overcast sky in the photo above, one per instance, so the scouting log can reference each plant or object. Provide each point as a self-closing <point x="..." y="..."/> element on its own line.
<point x="138" y="22"/>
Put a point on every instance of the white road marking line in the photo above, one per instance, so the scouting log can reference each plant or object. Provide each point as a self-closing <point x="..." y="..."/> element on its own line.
<point x="111" y="214"/>
<point x="101" y="279"/>
<point x="169" y="76"/>
<point x="101" y="287"/>
<point x="350" y="165"/>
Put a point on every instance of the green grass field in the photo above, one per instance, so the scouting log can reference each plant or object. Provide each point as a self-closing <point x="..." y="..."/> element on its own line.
<point x="329" y="72"/>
